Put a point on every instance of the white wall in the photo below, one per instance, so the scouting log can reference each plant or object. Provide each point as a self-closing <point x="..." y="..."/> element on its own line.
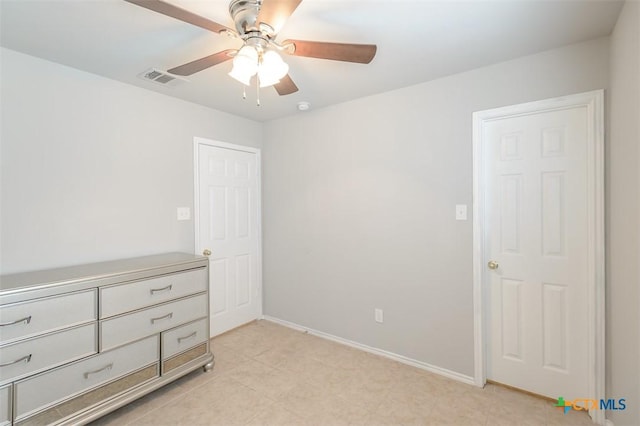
<point x="623" y="214"/>
<point x="93" y="169"/>
<point x="359" y="205"/>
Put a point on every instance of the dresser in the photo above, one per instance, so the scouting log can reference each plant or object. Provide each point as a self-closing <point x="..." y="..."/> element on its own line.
<point x="79" y="342"/>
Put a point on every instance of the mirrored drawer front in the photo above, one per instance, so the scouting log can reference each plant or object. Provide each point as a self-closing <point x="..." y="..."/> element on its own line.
<point x="50" y="350"/>
<point x="26" y="319"/>
<point x="53" y="386"/>
<point x="126" y="328"/>
<point x="184" y="337"/>
<point x="5" y="405"/>
<point x="62" y="410"/>
<point x="184" y="358"/>
<point x="129" y="297"/>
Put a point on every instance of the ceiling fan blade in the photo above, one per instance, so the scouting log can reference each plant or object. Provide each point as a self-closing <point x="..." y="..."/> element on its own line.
<point x="360" y="53"/>
<point x="286" y="86"/>
<point x="180" y="14"/>
<point x="276" y="12"/>
<point x="203" y="63"/>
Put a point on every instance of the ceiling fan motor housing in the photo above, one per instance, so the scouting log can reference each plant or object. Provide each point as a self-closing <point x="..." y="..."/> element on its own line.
<point x="245" y="17"/>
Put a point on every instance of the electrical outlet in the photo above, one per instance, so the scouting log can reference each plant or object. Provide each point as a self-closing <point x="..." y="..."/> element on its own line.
<point x="379" y="316"/>
<point x="184" y="213"/>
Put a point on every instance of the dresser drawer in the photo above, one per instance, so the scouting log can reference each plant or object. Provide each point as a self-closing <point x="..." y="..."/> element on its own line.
<point x="184" y="337"/>
<point x="128" y="297"/>
<point x="50" y="350"/>
<point x="126" y="328"/>
<point x="26" y="319"/>
<point x="38" y="392"/>
<point x="5" y="405"/>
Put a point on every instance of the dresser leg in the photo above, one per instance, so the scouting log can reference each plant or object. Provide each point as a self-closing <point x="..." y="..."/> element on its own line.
<point x="209" y="366"/>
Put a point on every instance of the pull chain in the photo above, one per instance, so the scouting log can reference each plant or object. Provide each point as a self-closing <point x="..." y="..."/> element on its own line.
<point x="244" y="92"/>
<point x="257" y="91"/>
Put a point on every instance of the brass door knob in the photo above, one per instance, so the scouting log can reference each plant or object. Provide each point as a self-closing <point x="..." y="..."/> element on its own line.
<point x="492" y="264"/>
<point x="206" y="252"/>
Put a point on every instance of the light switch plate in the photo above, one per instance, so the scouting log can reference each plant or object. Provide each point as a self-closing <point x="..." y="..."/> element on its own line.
<point x="184" y="213"/>
<point x="461" y="212"/>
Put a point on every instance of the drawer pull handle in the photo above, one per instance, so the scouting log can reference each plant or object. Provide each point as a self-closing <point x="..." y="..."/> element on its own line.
<point x="180" y="339"/>
<point x="158" y="290"/>
<point x="168" y="316"/>
<point x="106" y="367"/>
<point x="24" y="359"/>
<point x="25" y="320"/>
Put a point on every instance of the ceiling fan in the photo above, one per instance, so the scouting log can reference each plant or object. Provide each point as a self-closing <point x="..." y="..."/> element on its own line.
<point x="257" y="24"/>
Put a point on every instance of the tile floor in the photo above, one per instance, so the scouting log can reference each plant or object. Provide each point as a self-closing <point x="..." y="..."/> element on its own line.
<point x="266" y="374"/>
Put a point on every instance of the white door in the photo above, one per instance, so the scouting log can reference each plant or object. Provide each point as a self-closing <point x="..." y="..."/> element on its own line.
<point x="227" y="225"/>
<point x="537" y="233"/>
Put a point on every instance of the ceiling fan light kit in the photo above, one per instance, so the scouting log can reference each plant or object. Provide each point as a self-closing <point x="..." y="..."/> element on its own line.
<point x="254" y="59"/>
<point x="271" y="69"/>
<point x="245" y="65"/>
<point x="257" y="24"/>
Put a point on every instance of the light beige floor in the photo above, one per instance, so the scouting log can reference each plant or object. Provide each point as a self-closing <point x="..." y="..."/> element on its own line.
<point x="266" y="374"/>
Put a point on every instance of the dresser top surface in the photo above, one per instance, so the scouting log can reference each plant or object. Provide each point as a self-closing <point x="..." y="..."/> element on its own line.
<point x="97" y="271"/>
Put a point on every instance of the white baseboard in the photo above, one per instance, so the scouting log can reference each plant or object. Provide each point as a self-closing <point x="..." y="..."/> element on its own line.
<point x="414" y="363"/>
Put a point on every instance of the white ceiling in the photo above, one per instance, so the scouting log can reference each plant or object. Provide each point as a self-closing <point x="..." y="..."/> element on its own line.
<point x="417" y="41"/>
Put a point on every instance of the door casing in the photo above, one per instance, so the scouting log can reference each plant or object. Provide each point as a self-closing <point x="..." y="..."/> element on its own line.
<point x="594" y="103"/>
<point x="197" y="141"/>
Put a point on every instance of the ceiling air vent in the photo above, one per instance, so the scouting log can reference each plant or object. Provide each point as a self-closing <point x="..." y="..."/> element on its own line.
<point x="162" y="77"/>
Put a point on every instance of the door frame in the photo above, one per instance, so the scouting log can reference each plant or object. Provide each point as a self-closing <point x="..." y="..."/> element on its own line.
<point x="197" y="142"/>
<point x="594" y="103"/>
